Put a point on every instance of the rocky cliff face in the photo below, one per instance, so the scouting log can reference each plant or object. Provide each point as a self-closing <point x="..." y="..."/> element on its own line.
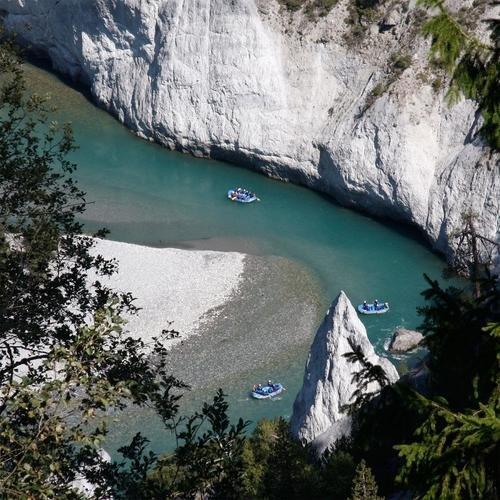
<point x="318" y="414"/>
<point x="246" y="81"/>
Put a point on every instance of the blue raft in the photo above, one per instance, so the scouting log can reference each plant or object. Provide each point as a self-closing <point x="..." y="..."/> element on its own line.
<point x="242" y="196"/>
<point x="373" y="309"/>
<point x="267" y="391"/>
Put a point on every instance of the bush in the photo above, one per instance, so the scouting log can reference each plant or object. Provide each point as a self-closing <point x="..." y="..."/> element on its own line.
<point x="292" y="5"/>
<point x="400" y="62"/>
<point x="313" y="8"/>
<point x="277" y="466"/>
<point x="437" y="85"/>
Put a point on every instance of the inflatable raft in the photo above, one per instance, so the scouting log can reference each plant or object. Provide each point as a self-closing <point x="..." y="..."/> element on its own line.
<point x="267" y="391"/>
<point x="241" y="196"/>
<point x="381" y="308"/>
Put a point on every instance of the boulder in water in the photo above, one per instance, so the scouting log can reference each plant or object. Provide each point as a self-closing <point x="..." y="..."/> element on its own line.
<point x="404" y="340"/>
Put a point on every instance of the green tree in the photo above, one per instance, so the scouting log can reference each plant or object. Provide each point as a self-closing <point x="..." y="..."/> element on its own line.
<point x="66" y="360"/>
<point x="456" y="454"/>
<point x="207" y="463"/>
<point x="49" y="434"/>
<point x="210" y="459"/>
<point x="277" y="466"/>
<point x="64" y="356"/>
<point x="462" y="354"/>
<point x="367" y="375"/>
<point x="337" y="472"/>
<point x="447" y="439"/>
<point x="474" y="65"/>
<point x="288" y="472"/>
<point x="455" y="450"/>
<point x="364" y="486"/>
<point x="256" y="453"/>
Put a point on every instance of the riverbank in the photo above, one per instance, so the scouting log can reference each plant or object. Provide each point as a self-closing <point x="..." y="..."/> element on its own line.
<point x="179" y="289"/>
<point x="231" y="302"/>
<point x="260" y="330"/>
<point x="275" y="311"/>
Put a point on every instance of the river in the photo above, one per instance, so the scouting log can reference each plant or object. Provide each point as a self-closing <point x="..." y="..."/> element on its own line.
<point x="148" y="195"/>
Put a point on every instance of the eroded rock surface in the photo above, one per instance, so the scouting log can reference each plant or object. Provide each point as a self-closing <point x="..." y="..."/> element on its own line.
<point x="318" y="411"/>
<point x="404" y="340"/>
<point x="246" y="81"/>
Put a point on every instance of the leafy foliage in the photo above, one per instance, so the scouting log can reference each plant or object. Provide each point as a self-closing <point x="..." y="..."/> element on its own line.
<point x="383" y="423"/>
<point x="462" y="355"/>
<point x="45" y="261"/>
<point x="312" y="8"/>
<point x="65" y="357"/>
<point x="207" y="462"/>
<point x="338" y="469"/>
<point x="455" y="450"/>
<point x="456" y="455"/>
<point x="277" y="466"/>
<point x="49" y="434"/>
<point x="289" y="473"/>
<point x="448" y="440"/>
<point x="400" y="61"/>
<point x="473" y="65"/>
<point x="210" y="462"/>
<point x="368" y="375"/>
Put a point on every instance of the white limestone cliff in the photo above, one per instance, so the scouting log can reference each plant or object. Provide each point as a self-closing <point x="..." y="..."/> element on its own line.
<point x="318" y="412"/>
<point x="245" y="81"/>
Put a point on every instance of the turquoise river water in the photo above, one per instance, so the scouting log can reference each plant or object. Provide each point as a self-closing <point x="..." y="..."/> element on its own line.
<point x="146" y="194"/>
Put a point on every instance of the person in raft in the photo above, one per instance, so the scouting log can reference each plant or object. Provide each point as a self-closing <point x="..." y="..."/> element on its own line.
<point x="365" y="305"/>
<point x="375" y="304"/>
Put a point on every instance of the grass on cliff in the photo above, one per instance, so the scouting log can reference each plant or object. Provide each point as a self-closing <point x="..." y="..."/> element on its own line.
<point x="312" y="8"/>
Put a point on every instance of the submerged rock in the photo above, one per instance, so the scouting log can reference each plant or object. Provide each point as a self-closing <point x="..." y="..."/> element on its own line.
<point x="404" y="340"/>
<point x="318" y="414"/>
<point x="244" y="82"/>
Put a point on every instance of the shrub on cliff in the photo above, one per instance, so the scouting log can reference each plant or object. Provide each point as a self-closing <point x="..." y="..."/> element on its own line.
<point x="474" y="65"/>
<point x="312" y="8"/>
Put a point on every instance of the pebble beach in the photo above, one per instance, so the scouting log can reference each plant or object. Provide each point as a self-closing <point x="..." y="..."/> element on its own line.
<point x="179" y="289"/>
